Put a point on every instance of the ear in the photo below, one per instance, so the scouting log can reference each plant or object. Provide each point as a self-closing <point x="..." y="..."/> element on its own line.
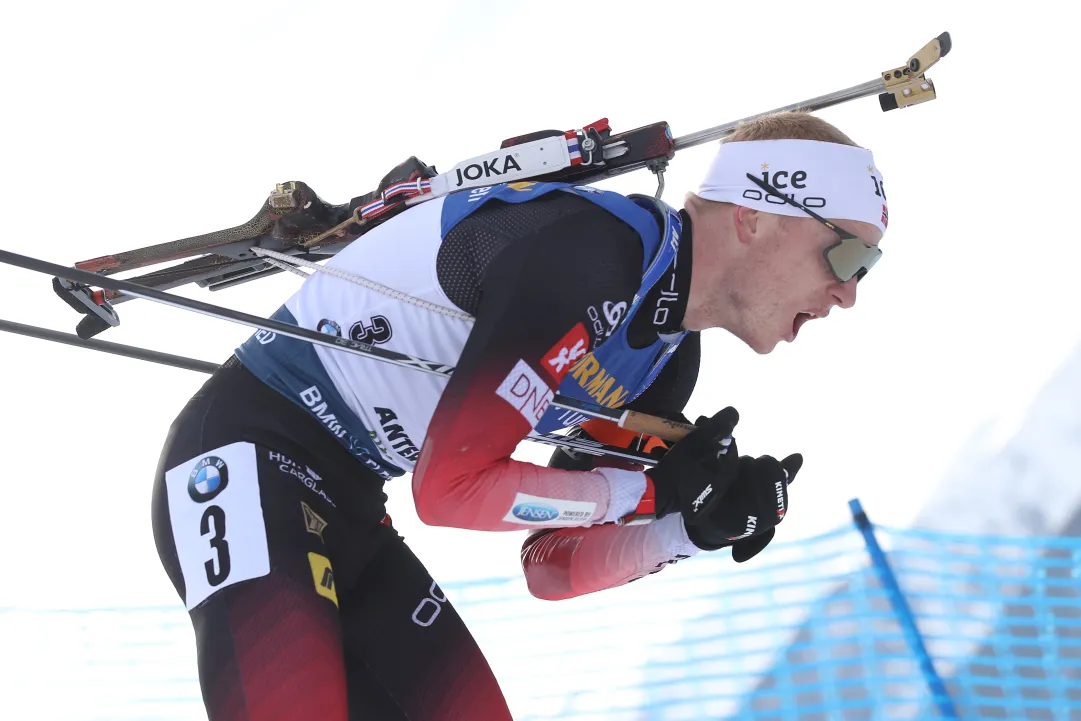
<point x="747" y="222"/>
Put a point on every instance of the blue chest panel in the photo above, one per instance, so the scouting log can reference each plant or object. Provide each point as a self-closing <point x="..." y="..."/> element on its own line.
<point x="613" y="373"/>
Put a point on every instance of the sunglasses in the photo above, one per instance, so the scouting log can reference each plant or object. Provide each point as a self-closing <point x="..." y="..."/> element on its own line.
<point x="847" y="258"/>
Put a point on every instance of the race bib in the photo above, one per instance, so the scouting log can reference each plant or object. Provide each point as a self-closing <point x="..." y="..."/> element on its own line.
<point x="217" y="519"/>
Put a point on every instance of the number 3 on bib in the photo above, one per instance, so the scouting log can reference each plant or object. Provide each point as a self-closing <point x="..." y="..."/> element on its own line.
<point x="216" y="573"/>
<point x="217" y="520"/>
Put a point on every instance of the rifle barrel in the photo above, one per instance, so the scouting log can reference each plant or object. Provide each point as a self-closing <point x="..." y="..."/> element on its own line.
<point x="872" y="87"/>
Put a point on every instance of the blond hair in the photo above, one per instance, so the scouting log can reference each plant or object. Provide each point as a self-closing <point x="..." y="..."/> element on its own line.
<point x="789" y="125"/>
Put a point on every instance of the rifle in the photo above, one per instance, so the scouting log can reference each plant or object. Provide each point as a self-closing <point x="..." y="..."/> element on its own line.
<point x="295" y="221"/>
<point x="295" y="225"/>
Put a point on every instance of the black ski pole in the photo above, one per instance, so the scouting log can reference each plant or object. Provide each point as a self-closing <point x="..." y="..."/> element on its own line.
<point x="128" y="351"/>
<point x="668" y="430"/>
<point x="581" y="445"/>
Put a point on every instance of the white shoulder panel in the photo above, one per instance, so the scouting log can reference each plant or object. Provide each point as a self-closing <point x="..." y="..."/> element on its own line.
<point x="395" y="403"/>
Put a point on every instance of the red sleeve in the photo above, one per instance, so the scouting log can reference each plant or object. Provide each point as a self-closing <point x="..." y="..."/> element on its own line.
<point x="567" y="562"/>
<point x="564" y="563"/>
<point x="534" y="302"/>
<point x="570" y="562"/>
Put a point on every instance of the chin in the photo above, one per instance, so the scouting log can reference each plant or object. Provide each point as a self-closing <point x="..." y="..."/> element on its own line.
<point x="765" y="348"/>
<point x="761" y="346"/>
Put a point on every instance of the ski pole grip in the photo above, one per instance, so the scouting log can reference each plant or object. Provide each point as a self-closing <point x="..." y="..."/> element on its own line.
<point x="653" y="426"/>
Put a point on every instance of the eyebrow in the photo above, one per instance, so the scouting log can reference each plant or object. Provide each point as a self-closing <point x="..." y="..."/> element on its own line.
<point x="856" y="233"/>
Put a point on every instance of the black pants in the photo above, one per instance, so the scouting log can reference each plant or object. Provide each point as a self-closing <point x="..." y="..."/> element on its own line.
<point x="305" y="601"/>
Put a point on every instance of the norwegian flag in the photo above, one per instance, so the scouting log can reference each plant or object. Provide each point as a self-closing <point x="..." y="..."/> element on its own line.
<point x="572" y="146"/>
<point x="885" y="217"/>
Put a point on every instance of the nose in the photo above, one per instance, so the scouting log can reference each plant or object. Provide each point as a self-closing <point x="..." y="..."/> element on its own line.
<point x="845" y="293"/>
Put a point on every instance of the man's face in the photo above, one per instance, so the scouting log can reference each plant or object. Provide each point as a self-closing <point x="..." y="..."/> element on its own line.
<point x="788" y="282"/>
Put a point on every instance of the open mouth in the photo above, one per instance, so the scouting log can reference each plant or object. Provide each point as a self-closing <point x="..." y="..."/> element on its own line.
<point x="802" y="318"/>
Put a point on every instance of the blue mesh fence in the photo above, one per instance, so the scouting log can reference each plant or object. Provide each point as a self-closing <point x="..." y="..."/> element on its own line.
<point x="807" y="631"/>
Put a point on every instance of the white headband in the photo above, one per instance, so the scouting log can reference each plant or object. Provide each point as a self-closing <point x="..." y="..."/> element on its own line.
<point x="833" y="180"/>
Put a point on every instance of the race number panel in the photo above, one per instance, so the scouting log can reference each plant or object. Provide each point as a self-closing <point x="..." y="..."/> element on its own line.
<point x="217" y="520"/>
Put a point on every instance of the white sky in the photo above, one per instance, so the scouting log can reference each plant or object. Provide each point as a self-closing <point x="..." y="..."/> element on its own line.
<point x="127" y="124"/>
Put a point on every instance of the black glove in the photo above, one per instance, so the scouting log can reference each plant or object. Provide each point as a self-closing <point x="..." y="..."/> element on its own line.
<point x="697" y="470"/>
<point x="748" y="514"/>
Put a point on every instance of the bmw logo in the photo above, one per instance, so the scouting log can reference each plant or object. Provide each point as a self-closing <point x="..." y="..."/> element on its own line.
<point x="329" y="327"/>
<point x="209" y="478"/>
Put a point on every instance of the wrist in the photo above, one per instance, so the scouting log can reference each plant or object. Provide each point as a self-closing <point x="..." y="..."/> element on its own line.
<point x="705" y="537"/>
<point x="628" y="492"/>
<point x="672" y="532"/>
<point x="646" y="509"/>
